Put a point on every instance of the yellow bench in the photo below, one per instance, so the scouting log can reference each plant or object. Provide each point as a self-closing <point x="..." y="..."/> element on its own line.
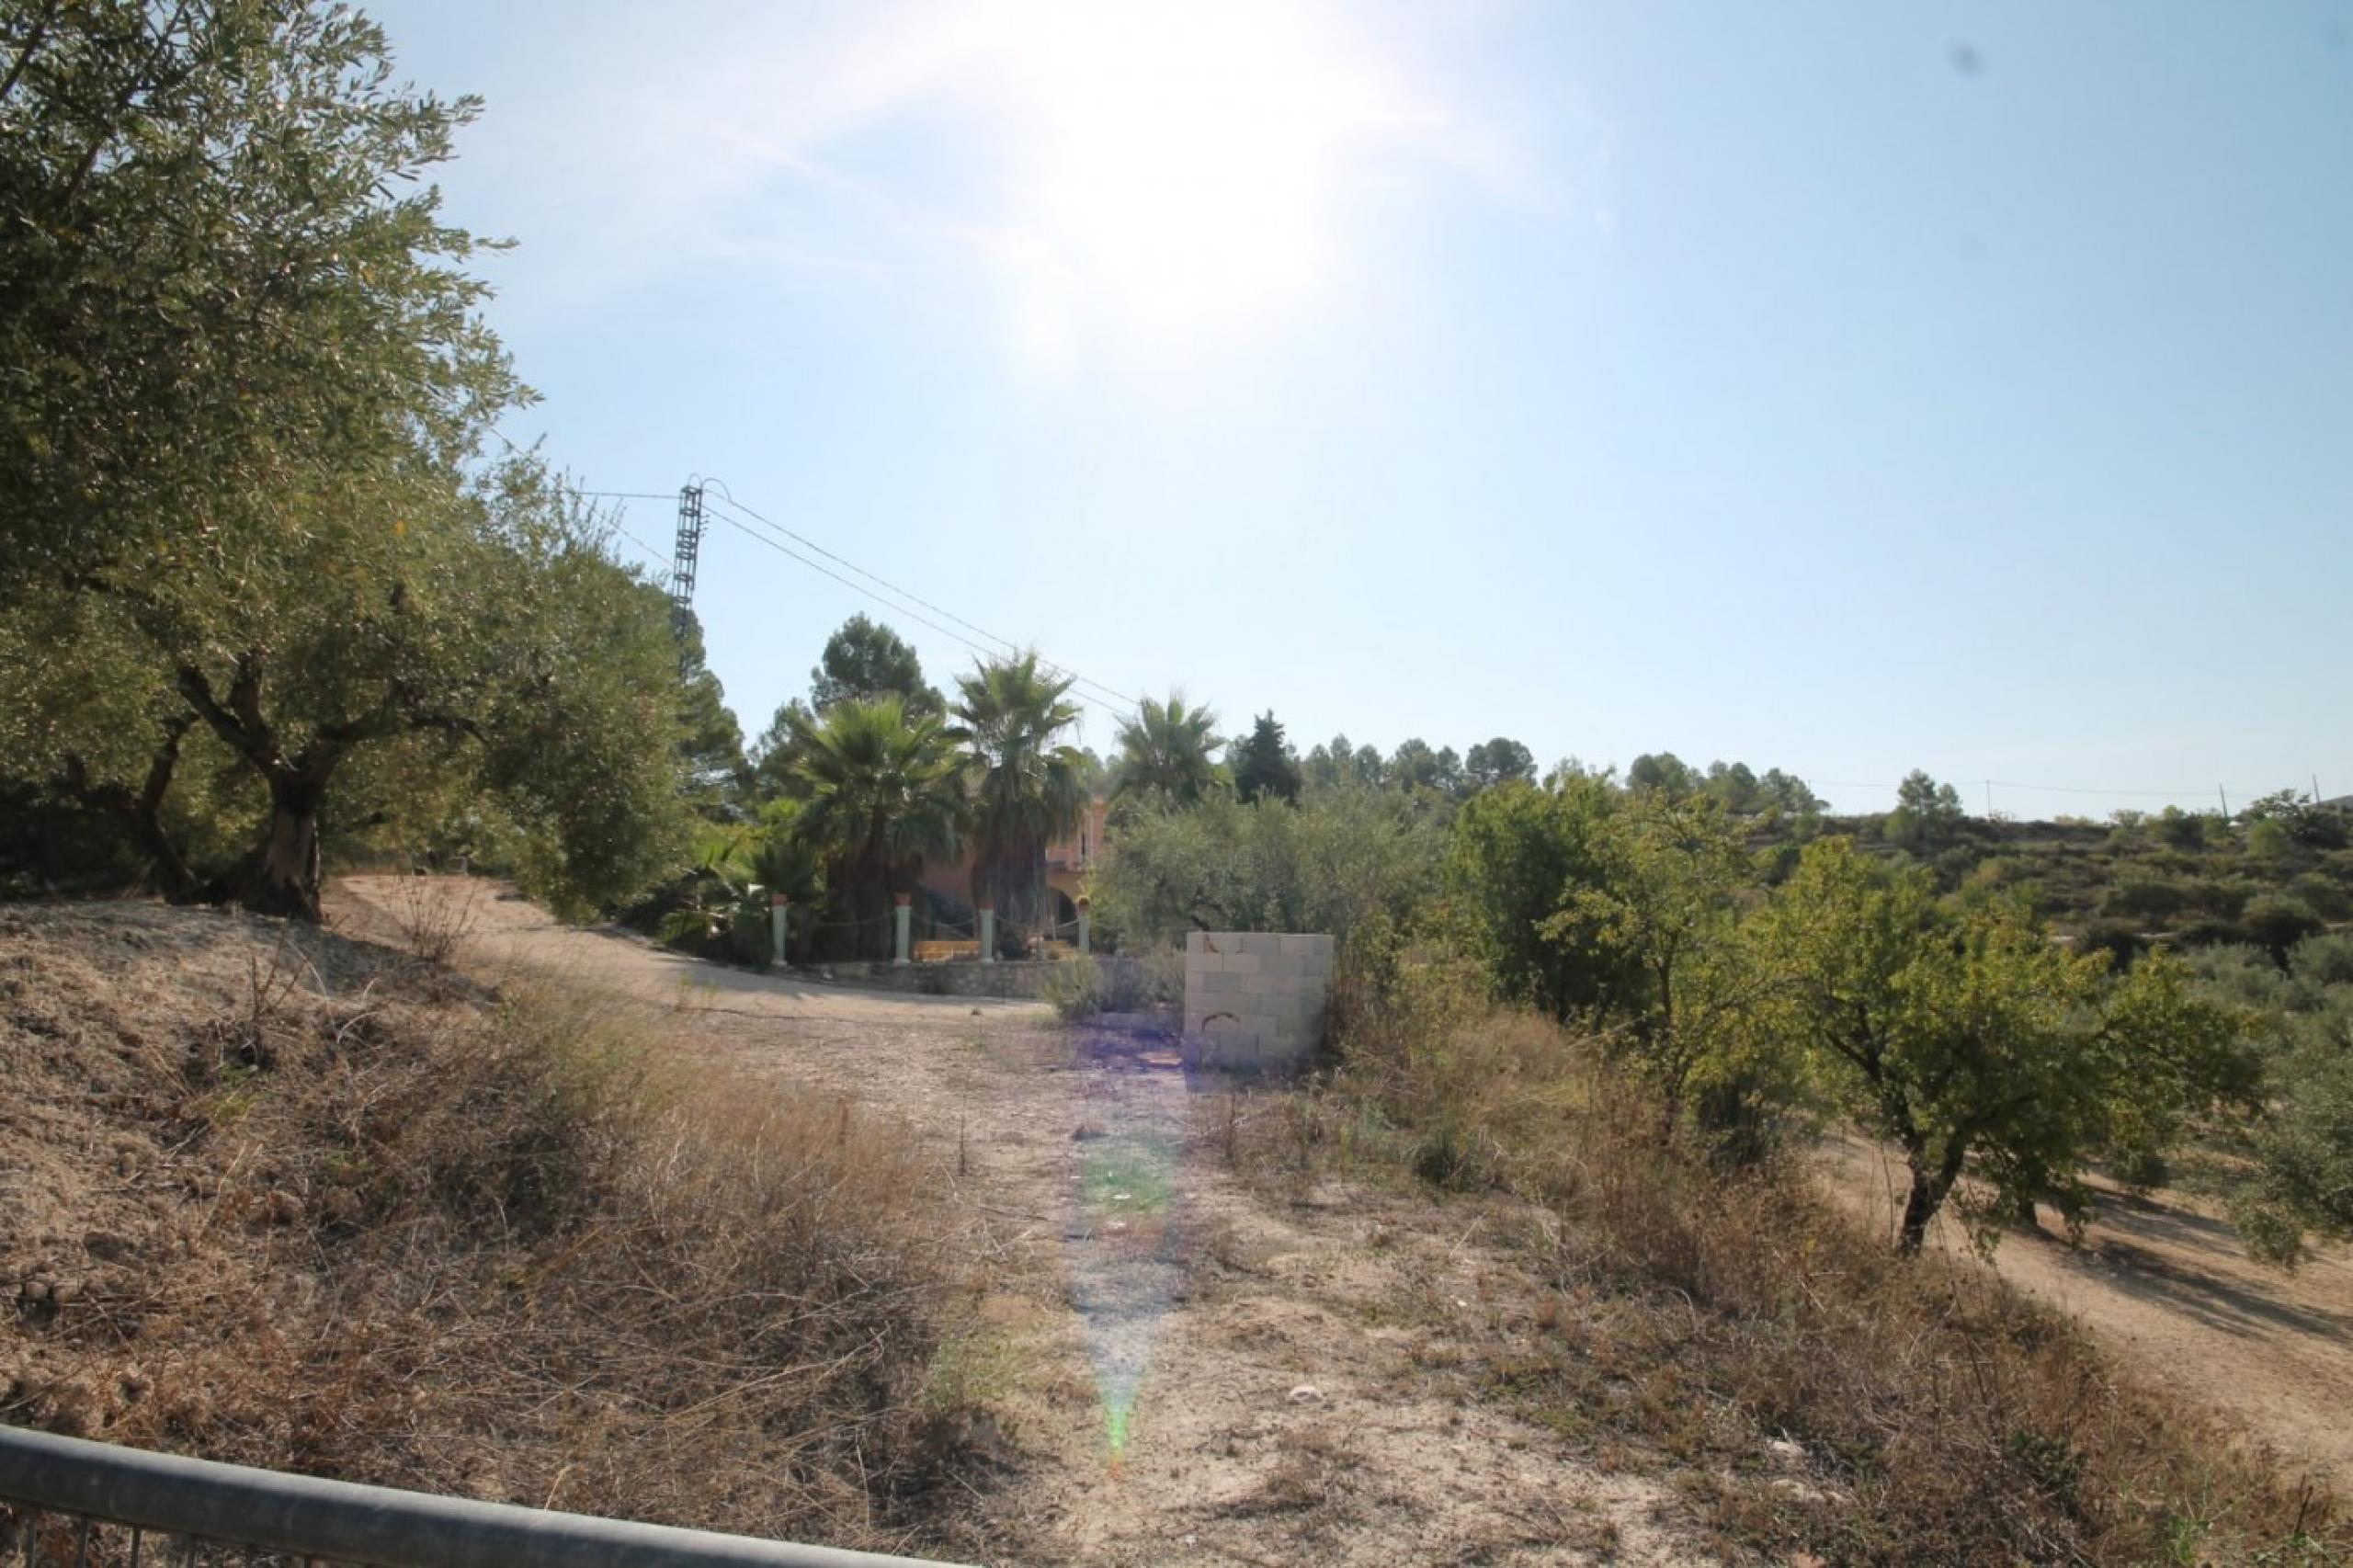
<point x="939" y="953"/>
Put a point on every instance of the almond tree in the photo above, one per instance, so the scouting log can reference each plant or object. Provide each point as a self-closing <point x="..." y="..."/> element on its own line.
<point x="1975" y="1044"/>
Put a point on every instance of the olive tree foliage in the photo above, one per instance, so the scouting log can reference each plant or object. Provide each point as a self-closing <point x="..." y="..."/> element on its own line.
<point x="1977" y="1045"/>
<point x="217" y="268"/>
<point x="1658" y="909"/>
<point x="2299" y="1184"/>
<point x="1339" y="857"/>
<point x="1517" y="853"/>
<point x="239" y="496"/>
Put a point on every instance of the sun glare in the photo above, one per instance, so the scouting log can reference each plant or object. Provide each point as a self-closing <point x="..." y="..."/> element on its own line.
<point x="1183" y="156"/>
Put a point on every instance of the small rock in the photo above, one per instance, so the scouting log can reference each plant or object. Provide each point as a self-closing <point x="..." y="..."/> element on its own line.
<point x="1306" y="1394"/>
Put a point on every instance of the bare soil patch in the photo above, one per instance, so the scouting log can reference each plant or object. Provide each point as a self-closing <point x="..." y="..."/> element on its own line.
<point x="1288" y="1401"/>
<point x="2163" y="1280"/>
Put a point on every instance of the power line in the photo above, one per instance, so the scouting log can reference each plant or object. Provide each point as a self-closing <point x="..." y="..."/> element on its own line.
<point x="1125" y="702"/>
<point x="2031" y="789"/>
<point x="640" y="544"/>
<point x="1120" y="702"/>
<point x="983" y="650"/>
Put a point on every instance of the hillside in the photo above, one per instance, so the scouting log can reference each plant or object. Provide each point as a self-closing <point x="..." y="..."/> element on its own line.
<point x="491" y="1229"/>
<point x="280" y="1197"/>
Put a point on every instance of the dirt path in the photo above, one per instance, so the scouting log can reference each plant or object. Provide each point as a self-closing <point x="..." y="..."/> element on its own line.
<point x="2165" y="1281"/>
<point x="1191" y="1372"/>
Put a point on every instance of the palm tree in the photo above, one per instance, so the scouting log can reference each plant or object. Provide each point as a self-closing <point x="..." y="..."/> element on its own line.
<point x="1165" y="753"/>
<point x="1029" y="787"/>
<point x="885" y="789"/>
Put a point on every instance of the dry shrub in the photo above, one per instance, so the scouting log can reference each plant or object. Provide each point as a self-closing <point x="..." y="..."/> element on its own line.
<point x="500" y="1247"/>
<point x="436" y="914"/>
<point x="1922" y="1411"/>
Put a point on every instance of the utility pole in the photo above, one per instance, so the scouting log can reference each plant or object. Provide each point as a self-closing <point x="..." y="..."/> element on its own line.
<point x="690" y="546"/>
<point x="2226" y="801"/>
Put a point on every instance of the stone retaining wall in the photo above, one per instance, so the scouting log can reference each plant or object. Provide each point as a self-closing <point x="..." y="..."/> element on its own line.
<point x="1255" y="999"/>
<point x="957" y="977"/>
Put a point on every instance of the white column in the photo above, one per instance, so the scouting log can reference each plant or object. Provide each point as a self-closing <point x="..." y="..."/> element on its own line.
<point x="903" y="917"/>
<point x="1085" y="917"/>
<point x="779" y="907"/>
<point x="988" y="933"/>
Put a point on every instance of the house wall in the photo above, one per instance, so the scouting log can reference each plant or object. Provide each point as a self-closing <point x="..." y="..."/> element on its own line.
<point x="1068" y="862"/>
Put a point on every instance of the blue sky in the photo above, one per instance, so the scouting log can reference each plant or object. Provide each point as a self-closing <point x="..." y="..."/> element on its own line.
<point x="1847" y="389"/>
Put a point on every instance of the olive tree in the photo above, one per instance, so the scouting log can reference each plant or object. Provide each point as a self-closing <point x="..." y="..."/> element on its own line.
<point x="247" y="382"/>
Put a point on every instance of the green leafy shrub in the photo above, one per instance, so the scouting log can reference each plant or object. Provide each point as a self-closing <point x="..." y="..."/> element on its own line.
<point x="2144" y="898"/>
<point x="2327" y="897"/>
<point x="1073" y="989"/>
<point x="2278" y="923"/>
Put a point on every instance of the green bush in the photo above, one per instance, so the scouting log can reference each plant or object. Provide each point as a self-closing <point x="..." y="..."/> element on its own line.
<point x="2267" y="839"/>
<point x="2279" y="923"/>
<point x="2213" y="931"/>
<point x="1338" y="857"/>
<point x="2120" y="939"/>
<point x="2323" y="961"/>
<point x="2222" y="900"/>
<point x="1073" y="989"/>
<point x="2144" y="898"/>
<point x="2328" y="897"/>
<point x="2183" y="830"/>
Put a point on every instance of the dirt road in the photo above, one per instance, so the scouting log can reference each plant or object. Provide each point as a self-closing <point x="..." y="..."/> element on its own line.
<point x="2164" y="1281"/>
<point x="1193" y="1372"/>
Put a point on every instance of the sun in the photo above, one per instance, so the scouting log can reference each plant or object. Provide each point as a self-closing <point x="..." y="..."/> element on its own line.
<point x="1182" y="157"/>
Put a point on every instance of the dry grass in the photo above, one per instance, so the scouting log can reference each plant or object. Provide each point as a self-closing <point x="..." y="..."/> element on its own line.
<point x="433" y="921"/>
<point x="1815" y="1392"/>
<point x="289" y="1202"/>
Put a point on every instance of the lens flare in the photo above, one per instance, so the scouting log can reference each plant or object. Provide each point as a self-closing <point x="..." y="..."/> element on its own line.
<point x="1124" y="1236"/>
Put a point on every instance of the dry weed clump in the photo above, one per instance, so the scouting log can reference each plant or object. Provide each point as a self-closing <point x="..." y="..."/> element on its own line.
<point x="435" y="915"/>
<point x="504" y="1247"/>
<point x="1818" y="1393"/>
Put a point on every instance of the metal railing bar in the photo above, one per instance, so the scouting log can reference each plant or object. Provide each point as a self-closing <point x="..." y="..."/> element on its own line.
<point x="343" y="1521"/>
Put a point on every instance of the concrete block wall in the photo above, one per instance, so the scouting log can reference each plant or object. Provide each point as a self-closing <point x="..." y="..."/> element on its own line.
<point x="1255" y="999"/>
